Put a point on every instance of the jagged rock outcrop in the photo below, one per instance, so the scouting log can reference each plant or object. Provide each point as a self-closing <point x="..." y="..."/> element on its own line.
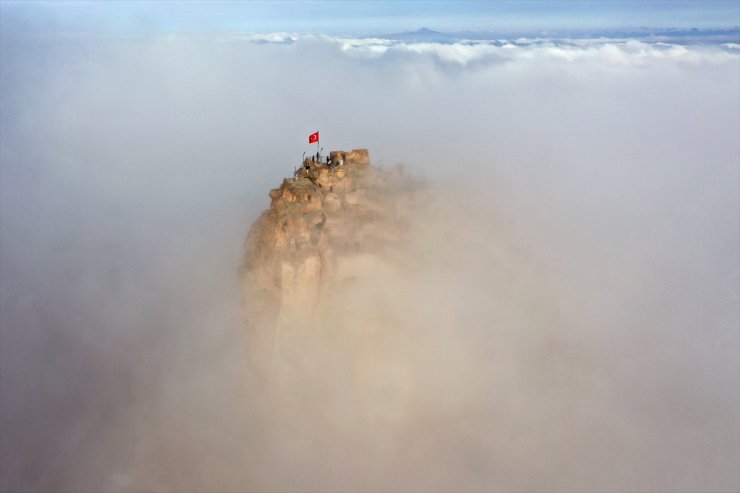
<point x="325" y="227"/>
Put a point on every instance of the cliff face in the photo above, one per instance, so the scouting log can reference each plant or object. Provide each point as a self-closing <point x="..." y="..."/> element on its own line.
<point x="326" y="228"/>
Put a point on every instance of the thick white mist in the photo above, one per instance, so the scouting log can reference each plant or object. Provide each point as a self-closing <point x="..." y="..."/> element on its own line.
<point x="575" y="274"/>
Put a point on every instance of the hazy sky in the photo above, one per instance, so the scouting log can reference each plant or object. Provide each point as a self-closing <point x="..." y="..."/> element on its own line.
<point x="125" y="17"/>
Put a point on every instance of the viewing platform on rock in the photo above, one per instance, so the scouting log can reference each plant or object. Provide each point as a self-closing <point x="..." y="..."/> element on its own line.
<point x="358" y="157"/>
<point x="315" y="179"/>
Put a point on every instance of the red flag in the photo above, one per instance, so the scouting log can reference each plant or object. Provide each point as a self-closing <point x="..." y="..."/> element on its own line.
<point x="313" y="138"/>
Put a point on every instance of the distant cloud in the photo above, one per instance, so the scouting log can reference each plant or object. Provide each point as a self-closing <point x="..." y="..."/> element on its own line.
<point x="465" y="52"/>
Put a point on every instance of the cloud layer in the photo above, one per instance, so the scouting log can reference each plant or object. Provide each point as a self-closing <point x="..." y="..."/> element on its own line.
<point x="600" y="178"/>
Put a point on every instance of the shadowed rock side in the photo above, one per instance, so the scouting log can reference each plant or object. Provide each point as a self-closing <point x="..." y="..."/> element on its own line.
<point x="326" y="227"/>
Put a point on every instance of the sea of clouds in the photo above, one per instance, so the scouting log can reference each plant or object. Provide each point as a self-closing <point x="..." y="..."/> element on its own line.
<point x="600" y="177"/>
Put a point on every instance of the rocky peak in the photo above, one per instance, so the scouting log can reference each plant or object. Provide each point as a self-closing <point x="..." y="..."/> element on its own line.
<point x="324" y="224"/>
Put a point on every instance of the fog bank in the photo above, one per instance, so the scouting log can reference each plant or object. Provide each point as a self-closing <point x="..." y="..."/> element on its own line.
<point x="578" y="256"/>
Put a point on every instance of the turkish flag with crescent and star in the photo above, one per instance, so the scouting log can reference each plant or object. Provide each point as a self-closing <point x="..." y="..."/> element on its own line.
<point x="313" y="138"/>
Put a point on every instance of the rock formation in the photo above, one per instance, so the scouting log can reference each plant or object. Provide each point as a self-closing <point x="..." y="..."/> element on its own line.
<point x="329" y="225"/>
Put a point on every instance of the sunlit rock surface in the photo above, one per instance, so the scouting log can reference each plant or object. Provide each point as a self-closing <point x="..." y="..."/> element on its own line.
<point x="330" y="232"/>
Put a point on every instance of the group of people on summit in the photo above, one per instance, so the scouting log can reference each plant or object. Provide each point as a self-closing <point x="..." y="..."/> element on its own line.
<point x="316" y="158"/>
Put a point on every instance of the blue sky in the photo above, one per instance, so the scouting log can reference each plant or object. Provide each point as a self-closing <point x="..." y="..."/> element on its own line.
<point x="126" y="17"/>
